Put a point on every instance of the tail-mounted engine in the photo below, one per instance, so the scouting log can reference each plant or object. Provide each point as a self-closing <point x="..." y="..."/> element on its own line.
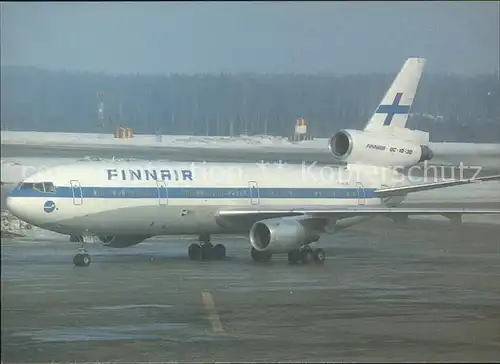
<point x="358" y="147"/>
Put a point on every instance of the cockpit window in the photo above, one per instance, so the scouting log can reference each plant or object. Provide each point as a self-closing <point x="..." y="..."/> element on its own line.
<point x="38" y="186"/>
<point x="49" y="187"/>
<point x="26" y="186"/>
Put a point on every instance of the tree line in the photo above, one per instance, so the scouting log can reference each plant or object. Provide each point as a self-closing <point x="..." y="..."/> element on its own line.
<point x="450" y="107"/>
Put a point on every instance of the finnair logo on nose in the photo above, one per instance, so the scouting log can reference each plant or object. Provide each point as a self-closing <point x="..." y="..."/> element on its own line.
<point x="49" y="206"/>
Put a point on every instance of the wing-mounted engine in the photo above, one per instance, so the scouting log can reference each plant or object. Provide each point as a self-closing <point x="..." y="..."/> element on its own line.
<point x="120" y="241"/>
<point x="361" y="147"/>
<point x="280" y="235"/>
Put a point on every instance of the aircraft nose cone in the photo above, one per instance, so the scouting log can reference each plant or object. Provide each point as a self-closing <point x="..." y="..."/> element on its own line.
<point x="14" y="206"/>
<point x="11" y="205"/>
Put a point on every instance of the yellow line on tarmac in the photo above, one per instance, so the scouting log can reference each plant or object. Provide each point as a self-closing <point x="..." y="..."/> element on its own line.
<point x="208" y="300"/>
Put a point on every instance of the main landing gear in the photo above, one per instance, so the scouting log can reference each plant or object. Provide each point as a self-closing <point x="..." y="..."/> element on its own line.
<point x="304" y="255"/>
<point x="205" y="250"/>
<point x="81" y="259"/>
<point x="260" y="256"/>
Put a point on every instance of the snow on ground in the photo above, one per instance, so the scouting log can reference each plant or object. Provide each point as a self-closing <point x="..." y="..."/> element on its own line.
<point x="11" y="227"/>
<point x="108" y="140"/>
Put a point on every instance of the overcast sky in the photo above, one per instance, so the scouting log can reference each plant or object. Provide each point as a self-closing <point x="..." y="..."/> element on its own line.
<point x="272" y="37"/>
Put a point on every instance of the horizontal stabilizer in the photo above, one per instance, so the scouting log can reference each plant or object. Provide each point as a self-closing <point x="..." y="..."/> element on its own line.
<point x="403" y="190"/>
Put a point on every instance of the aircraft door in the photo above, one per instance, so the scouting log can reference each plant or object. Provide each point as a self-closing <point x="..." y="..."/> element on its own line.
<point x="162" y="193"/>
<point x="361" y="194"/>
<point x="76" y="190"/>
<point x="254" y="192"/>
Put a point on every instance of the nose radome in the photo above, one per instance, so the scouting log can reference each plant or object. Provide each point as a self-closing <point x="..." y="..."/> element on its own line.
<point x="12" y="206"/>
<point x="9" y="203"/>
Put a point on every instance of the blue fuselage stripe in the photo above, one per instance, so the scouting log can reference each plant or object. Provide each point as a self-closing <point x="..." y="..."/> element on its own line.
<point x="197" y="192"/>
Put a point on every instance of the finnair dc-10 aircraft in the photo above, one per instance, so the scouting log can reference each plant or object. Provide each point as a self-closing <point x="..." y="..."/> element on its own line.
<point x="283" y="208"/>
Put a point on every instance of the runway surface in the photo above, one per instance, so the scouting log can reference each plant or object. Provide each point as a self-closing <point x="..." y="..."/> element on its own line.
<point x="170" y="153"/>
<point x="425" y="291"/>
<point x="213" y="155"/>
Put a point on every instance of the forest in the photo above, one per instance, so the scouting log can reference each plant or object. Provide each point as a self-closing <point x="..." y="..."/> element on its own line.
<point x="450" y="107"/>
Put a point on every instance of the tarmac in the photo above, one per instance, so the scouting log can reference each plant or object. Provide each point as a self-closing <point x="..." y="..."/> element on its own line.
<point x="166" y="153"/>
<point x="290" y="155"/>
<point x="420" y="291"/>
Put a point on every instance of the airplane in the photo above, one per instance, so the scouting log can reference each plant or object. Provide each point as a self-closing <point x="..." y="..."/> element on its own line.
<point x="284" y="209"/>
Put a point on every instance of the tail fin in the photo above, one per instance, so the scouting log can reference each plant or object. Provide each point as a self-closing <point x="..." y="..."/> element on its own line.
<point x="395" y="106"/>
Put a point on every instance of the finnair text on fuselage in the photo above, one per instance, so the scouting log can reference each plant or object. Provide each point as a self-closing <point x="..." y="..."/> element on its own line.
<point x="150" y="174"/>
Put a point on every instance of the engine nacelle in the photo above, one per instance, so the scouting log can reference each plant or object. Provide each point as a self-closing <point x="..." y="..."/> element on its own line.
<point x="120" y="241"/>
<point x="280" y="235"/>
<point x="355" y="146"/>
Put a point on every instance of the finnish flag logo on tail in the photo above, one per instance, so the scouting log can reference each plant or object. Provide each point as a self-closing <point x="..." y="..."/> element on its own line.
<point x="395" y="106"/>
<point x="393" y="109"/>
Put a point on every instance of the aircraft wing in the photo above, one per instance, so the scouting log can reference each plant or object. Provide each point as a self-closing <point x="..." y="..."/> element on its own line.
<point x="403" y="190"/>
<point x="252" y="214"/>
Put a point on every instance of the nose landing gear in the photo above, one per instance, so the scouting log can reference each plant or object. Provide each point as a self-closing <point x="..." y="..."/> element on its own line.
<point x="82" y="258"/>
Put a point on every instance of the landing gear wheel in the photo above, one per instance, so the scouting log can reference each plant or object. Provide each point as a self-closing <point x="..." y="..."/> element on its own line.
<point x="219" y="252"/>
<point x="195" y="252"/>
<point x="259" y="256"/>
<point x="319" y="256"/>
<point x="81" y="260"/>
<point x="306" y="256"/>
<point x="294" y="256"/>
<point x="207" y="251"/>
